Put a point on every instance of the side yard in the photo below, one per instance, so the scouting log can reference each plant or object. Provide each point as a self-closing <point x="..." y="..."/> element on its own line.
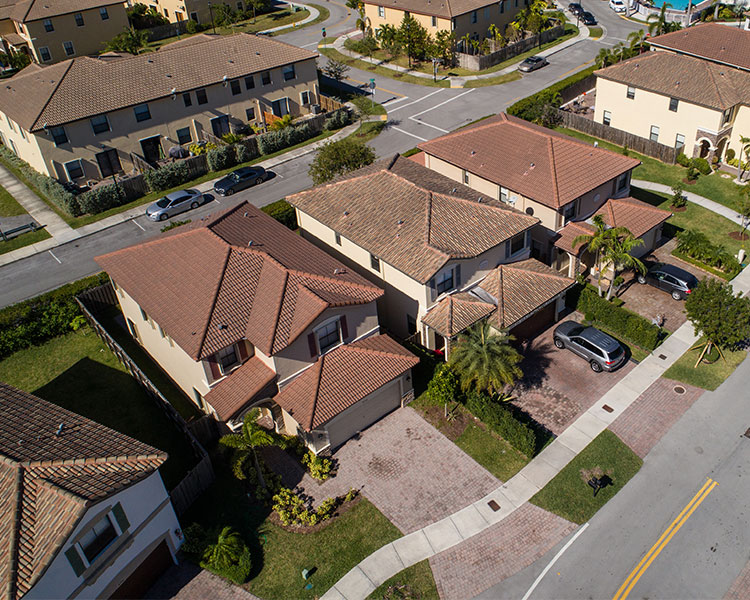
<point x="12" y="215"/>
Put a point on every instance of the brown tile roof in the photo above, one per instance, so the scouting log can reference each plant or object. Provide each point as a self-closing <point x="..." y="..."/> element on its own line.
<point x="207" y="287"/>
<point x="633" y="214"/>
<point x="439" y="8"/>
<point x="230" y="395"/>
<point x="84" y="87"/>
<point x="48" y="480"/>
<point x="726" y="45"/>
<point x="33" y="10"/>
<point x="411" y="217"/>
<point x="455" y="313"/>
<point x="690" y="79"/>
<point x="342" y="377"/>
<point x="14" y="39"/>
<point x="538" y="163"/>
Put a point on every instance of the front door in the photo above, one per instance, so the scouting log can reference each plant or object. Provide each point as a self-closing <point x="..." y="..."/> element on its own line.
<point x="220" y="125"/>
<point x="152" y="148"/>
<point x="109" y="162"/>
<point x="280" y="107"/>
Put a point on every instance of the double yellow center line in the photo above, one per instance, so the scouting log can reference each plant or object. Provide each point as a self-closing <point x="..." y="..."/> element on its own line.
<point x="656" y="549"/>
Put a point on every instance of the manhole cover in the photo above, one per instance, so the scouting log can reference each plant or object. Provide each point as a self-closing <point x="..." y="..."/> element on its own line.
<point x="662" y="357"/>
<point x="679" y="389"/>
<point x="608" y="408"/>
<point x="494" y="505"/>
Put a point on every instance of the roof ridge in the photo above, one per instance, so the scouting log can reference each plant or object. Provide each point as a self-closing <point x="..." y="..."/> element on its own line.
<point x="219" y="283"/>
<point x="501" y="208"/>
<point x="461" y="131"/>
<point x="555" y="187"/>
<point x="52" y="93"/>
<point x="277" y="310"/>
<point x="91" y="460"/>
<point x="352" y="347"/>
<point x="335" y="183"/>
<point x="641" y="204"/>
<point x="541" y="273"/>
<point x="333" y="279"/>
<point x="428" y="224"/>
<point x="15" y="532"/>
<point x="316" y="389"/>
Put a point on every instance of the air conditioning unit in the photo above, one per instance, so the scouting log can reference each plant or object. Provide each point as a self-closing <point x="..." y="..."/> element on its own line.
<point x="315" y="109"/>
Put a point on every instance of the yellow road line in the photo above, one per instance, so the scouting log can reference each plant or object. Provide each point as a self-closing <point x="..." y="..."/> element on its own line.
<point x="377" y="87"/>
<point x="575" y="69"/>
<point x="664" y="539"/>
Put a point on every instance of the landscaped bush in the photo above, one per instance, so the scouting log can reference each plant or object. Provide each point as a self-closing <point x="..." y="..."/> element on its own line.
<point x="221" y="158"/>
<point x="245" y="152"/>
<point x="697" y="246"/>
<point x="283" y="212"/>
<point x="318" y="467"/>
<point x="338" y="119"/>
<point x="169" y="176"/>
<point x="229" y="557"/>
<point x="704" y="168"/>
<point x="683" y="160"/>
<point x="366" y="45"/>
<point x="273" y="141"/>
<point x="502" y="421"/>
<point x="531" y="108"/>
<point x="102" y="198"/>
<point x="198" y="149"/>
<point x="729" y="155"/>
<point x="292" y="509"/>
<point x="444" y="386"/>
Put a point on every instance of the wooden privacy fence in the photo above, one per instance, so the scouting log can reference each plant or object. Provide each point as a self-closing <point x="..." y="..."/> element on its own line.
<point x="666" y="154"/>
<point x="92" y="302"/>
<point x="475" y="62"/>
<point x="162" y="32"/>
<point x="328" y="104"/>
<point x="576" y="89"/>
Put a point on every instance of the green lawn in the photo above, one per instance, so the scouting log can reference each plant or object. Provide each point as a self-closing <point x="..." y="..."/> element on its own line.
<point x="595" y="32"/>
<point x="323" y="16"/>
<point x="78" y="372"/>
<point x="25" y="239"/>
<point x="8" y="205"/>
<point x="569" y="496"/>
<point x="706" y="376"/>
<point x="414" y="582"/>
<point x="491" y="451"/>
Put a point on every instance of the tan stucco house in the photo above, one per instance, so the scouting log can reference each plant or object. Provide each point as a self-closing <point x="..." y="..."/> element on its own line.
<point x="242" y="312"/>
<point x="430" y="241"/>
<point x="87" y="118"/>
<point x="83" y="510"/>
<point x="51" y="31"/>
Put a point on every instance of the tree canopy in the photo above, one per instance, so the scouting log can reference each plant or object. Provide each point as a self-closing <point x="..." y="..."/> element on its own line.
<point x="336" y="158"/>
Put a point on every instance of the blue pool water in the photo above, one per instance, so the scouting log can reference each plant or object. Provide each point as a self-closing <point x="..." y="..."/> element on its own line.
<point x="676" y="4"/>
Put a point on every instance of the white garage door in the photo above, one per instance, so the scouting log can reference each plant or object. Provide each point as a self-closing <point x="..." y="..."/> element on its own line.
<point x="364" y="413"/>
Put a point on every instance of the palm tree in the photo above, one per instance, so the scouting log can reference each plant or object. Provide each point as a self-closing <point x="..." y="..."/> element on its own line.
<point x="636" y="39"/>
<point x="387" y="35"/>
<point x="484" y="359"/>
<point x="744" y="151"/>
<point x="617" y="253"/>
<point x="657" y="24"/>
<point x="363" y="22"/>
<point x="226" y="551"/>
<point x="596" y="242"/>
<point x="250" y="437"/>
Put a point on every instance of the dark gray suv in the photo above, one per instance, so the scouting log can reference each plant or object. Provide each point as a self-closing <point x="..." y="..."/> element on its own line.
<point x="603" y="352"/>
<point x="673" y="280"/>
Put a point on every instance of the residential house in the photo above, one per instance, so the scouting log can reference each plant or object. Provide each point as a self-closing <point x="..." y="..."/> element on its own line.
<point x="88" y="118"/>
<point x="242" y="312"/>
<point x="542" y="173"/>
<point x="433" y="244"/>
<point x="51" y="31"/>
<point x="696" y="105"/>
<point x="83" y="510"/>
<point x="472" y="17"/>
<point x="196" y="10"/>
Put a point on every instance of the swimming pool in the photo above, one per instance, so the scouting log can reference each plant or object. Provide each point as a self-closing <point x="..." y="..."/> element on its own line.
<point x="675" y="4"/>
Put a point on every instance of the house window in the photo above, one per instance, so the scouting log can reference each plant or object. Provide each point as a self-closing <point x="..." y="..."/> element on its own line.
<point x="250" y="113"/>
<point x="48" y="25"/>
<point x="59" y="135"/>
<point x="381" y="12"/>
<point x="142" y="112"/>
<point x="570" y="212"/>
<point x="304" y="98"/>
<point x="74" y="169"/>
<point x="473" y="16"/>
<point x="607" y="117"/>
<point x="374" y="263"/>
<point x="504" y="194"/>
<point x="69" y="49"/>
<point x="654" y="135"/>
<point x="79" y="19"/>
<point x="630" y="93"/>
<point x="166" y="13"/>
<point x="679" y="141"/>
<point x="502" y="7"/>
<point x="249" y="82"/>
<point x="100" y="124"/>
<point x="329" y="335"/>
<point x="144" y="315"/>
<point x="227" y="358"/>
<point x="411" y="325"/>
<point x="486" y="12"/>
<point x="194" y="17"/>
<point x="103" y="13"/>
<point x="186" y="99"/>
<point x="44" y="54"/>
<point x="234" y="85"/>
<point x="184" y="136"/>
<point x="517" y="243"/>
<point x="98" y="538"/>
<point x="673" y="104"/>
<point x="466" y="176"/>
<point x="280" y="107"/>
<point x="201" y="97"/>
<point x="622" y="182"/>
<point x="265" y="77"/>
<point x="726" y="116"/>
<point x="239" y="6"/>
<point x="288" y="72"/>
<point x="434" y="21"/>
<point x="444" y="282"/>
<point x="338" y="239"/>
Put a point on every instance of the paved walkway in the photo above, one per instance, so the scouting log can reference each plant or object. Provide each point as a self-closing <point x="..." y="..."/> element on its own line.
<point x="187" y="581"/>
<point x="311" y="17"/>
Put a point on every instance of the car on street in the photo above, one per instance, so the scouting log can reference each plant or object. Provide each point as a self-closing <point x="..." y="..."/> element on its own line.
<point x="587" y="18"/>
<point x="532" y="63"/>
<point x="239" y="180"/>
<point x="617" y="5"/>
<point x="603" y="352"/>
<point x="174" y="203"/>
<point x="673" y="280"/>
<point x="575" y="8"/>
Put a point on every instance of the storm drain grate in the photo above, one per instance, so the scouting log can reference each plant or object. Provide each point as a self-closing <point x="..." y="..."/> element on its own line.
<point x="608" y="408"/>
<point x="493" y="505"/>
<point x="678" y="389"/>
<point x="663" y="356"/>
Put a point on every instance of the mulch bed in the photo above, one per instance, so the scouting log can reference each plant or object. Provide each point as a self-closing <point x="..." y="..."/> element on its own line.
<point x="343" y="509"/>
<point x="677" y="208"/>
<point x="689" y="181"/>
<point x="450" y="429"/>
<point x="739" y="236"/>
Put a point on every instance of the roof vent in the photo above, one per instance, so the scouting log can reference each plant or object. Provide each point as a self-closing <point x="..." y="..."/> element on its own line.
<point x="338" y="271"/>
<point x="532" y="165"/>
<point x="59" y="429"/>
<point x="250" y="243"/>
<point x="257" y="54"/>
<point x="169" y="76"/>
<point x="231" y="62"/>
<point x="245" y="213"/>
<point x="596" y="144"/>
<point x="480" y="199"/>
<point x="222" y="327"/>
<point x="454" y="190"/>
<point x="473" y="152"/>
<point x="149" y="60"/>
<point x="346" y="213"/>
<point x="400" y="221"/>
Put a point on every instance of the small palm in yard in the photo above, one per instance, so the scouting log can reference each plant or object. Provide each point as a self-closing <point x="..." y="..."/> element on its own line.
<point x="250" y="437"/>
<point x="484" y="358"/>
<point x="226" y="551"/>
<point x="596" y="242"/>
<point x="617" y="253"/>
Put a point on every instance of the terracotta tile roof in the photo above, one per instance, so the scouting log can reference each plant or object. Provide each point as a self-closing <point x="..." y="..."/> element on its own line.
<point x="230" y="395"/>
<point x="342" y="377"/>
<point x="727" y="45"/>
<point x="538" y="163"/>
<point x="683" y="77"/>
<point x="14" y="39"/>
<point x="633" y="214"/>
<point x="48" y="480"/>
<point x="438" y="8"/>
<point x="455" y="313"/>
<point x="411" y="217"/>
<point x="84" y="87"/>
<point x="207" y="287"/>
<point x="33" y="10"/>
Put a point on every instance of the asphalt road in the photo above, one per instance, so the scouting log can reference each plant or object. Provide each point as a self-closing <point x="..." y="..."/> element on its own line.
<point x="703" y="529"/>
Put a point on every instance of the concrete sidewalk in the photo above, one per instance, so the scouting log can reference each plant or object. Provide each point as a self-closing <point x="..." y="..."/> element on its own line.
<point x="314" y="12"/>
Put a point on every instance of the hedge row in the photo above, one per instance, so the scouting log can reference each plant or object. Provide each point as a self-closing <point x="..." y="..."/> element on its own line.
<point x="39" y="319"/>
<point x="528" y="108"/>
<point x="273" y="141"/>
<point x="502" y="421"/>
<point x="283" y="212"/>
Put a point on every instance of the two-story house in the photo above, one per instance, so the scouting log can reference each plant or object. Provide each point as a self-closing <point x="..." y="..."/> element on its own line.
<point x="50" y="31"/>
<point x="430" y="241"/>
<point x="87" y="118"/>
<point x="83" y="511"/>
<point x="242" y="312"/>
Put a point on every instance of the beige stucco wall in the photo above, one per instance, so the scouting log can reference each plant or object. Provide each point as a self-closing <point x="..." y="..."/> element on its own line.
<point x="26" y="144"/>
<point x="740" y="127"/>
<point x="394" y="17"/>
<point x="181" y="10"/>
<point x="167" y="116"/>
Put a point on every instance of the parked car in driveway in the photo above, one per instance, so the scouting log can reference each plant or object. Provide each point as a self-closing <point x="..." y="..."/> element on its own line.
<point x="174" y="204"/>
<point x="239" y="180"/>
<point x="532" y="63"/>
<point x="575" y="8"/>
<point x="673" y="280"/>
<point x="617" y="5"/>
<point x="587" y="18"/>
<point x="603" y="352"/>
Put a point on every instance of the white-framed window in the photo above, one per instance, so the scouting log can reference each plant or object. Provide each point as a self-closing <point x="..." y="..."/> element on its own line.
<point x="381" y="12"/>
<point x="473" y="16"/>
<point x="654" y="135"/>
<point x="44" y="54"/>
<point x="433" y="21"/>
<point x="74" y="169"/>
<point x="97" y="539"/>
<point x="103" y="13"/>
<point x="184" y="136"/>
<point x="727" y="116"/>
<point x="79" y="19"/>
<point x="69" y="48"/>
<point x="227" y="358"/>
<point x="288" y="72"/>
<point x="59" y="136"/>
<point x="338" y="238"/>
<point x="444" y="282"/>
<point x="679" y="141"/>
<point x="304" y="98"/>
<point x="328" y="335"/>
<point x="466" y="177"/>
<point x="674" y="104"/>
<point x="606" y="117"/>
<point x="504" y="194"/>
<point x="100" y="124"/>
<point x="630" y="93"/>
<point x="142" y="112"/>
<point x="374" y="263"/>
<point x="48" y="26"/>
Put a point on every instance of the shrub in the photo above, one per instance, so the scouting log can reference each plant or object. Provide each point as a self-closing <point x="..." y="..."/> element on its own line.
<point x="102" y="198"/>
<point x="191" y="27"/>
<point x="166" y="177"/>
<point x="501" y="420"/>
<point x="532" y="107"/>
<point x="692" y="173"/>
<point x="697" y="246"/>
<point x="292" y="509"/>
<point x="273" y="141"/>
<point x="678" y="197"/>
<point x="198" y="149"/>
<point x="729" y="155"/>
<point x="232" y="138"/>
<point x="704" y="168"/>
<point x="683" y="160"/>
<point x="221" y="158"/>
<point x="229" y="557"/>
<point x="366" y="45"/>
<point x="318" y="467"/>
<point x="283" y="212"/>
<point x="174" y="224"/>
<point x="196" y="540"/>
<point x="444" y="386"/>
<point x="337" y="119"/>
<point x="245" y="152"/>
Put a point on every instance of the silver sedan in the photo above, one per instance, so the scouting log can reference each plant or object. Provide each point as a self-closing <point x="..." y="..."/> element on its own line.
<point x="173" y="204"/>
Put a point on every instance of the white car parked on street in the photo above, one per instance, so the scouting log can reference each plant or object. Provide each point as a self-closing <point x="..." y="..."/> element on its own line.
<point x="617" y="6"/>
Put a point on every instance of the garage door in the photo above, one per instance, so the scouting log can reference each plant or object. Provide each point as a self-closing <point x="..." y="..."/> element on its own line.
<point x="535" y="323"/>
<point x="364" y="413"/>
<point x="145" y="574"/>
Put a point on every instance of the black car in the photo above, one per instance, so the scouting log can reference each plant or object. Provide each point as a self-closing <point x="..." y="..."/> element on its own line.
<point x="671" y="279"/>
<point x="575" y="8"/>
<point x="239" y="180"/>
<point x="587" y="18"/>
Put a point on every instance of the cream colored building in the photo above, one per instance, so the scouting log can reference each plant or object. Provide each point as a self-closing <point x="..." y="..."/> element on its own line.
<point x="87" y="118"/>
<point x="51" y="31"/>
<point x="183" y="10"/>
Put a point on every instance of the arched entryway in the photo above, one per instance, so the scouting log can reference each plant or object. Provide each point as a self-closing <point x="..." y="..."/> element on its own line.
<point x="705" y="148"/>
<point x="720" y="147"/>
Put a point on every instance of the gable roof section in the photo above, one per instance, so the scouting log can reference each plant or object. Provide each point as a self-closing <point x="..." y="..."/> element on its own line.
<point x="85" y="87"/>
<point x="238" y="275"/>
<point x="411" y="217"/>
<point x="711" y="41"/>
<point x="33" y="10"/>
<point x="439" y="8"/>
<point x="231" y="394"/>
<point x="686" y="78"/>
<point x="548" y="167"/>
<point x="329" y="386"/>
<point x="455" y="313"/>
<point x="48" y="480"/>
